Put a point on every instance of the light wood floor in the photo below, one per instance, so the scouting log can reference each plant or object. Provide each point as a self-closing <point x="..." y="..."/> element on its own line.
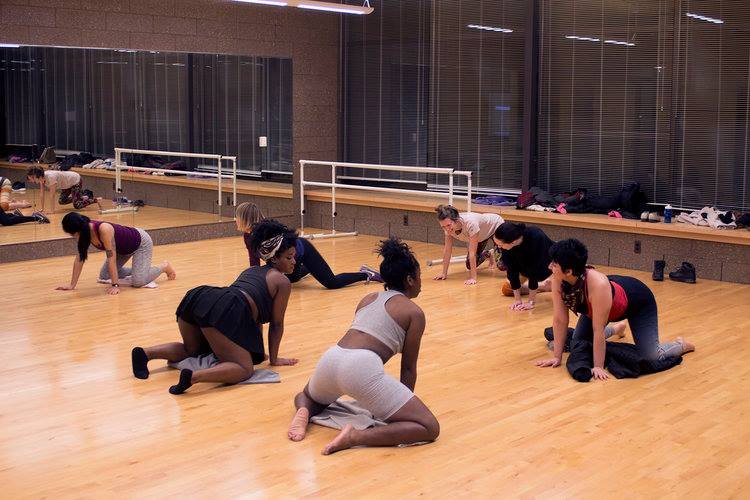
<point x="75" y="423"/>
<point x="148" y="217"/>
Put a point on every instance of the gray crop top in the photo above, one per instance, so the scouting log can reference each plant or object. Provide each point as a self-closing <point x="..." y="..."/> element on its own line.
<point x="374" y="320"/>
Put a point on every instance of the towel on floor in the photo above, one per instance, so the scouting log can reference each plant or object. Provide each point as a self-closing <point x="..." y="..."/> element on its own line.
<point x="128" y="281"/>
<point x="343" y="412"/>
<point x="208" y="360"/>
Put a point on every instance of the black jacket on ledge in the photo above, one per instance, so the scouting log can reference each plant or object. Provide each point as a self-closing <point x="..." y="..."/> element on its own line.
<point x="530" y="258"/>
<point x="622" y="360"/>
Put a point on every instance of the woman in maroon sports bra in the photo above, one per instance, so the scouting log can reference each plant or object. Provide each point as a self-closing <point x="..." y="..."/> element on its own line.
<point x="600" y="299"/>
<point x="120" y="244"/>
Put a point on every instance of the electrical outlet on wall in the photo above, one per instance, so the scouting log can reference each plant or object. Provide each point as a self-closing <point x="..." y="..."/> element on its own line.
<point x="637" y="246"/>
<point x="406" y="219"/>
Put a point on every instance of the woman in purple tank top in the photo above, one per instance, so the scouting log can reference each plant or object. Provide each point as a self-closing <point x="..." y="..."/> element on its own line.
<point x="120" y="243"/>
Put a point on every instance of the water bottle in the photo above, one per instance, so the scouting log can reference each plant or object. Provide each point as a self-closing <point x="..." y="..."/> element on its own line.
<point x="668" y="214"/>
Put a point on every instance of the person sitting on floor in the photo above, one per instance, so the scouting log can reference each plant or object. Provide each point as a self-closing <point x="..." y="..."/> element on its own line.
<point x="226" y="320"/>
<point x="385" y="323"/>
<point x="599" y="299"/>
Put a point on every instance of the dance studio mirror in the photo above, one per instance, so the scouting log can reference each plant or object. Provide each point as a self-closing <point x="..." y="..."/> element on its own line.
<point x="233" y="110"/>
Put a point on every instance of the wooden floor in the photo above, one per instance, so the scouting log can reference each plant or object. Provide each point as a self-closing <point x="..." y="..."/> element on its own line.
<point x="148" y="217"/>
<point x="75" y="423"/>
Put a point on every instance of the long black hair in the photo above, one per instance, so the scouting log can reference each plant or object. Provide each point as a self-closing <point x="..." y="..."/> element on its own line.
<point x="398" y="263"/>
<point x="571" y="255"/>
<point x="267" y="229"/>
<point x="72" y="223"/>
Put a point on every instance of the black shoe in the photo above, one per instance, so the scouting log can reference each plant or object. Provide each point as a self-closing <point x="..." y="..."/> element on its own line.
<point x="685" y="274"/>
<point x="40" y="218"/>
<point x="658" y="274"/>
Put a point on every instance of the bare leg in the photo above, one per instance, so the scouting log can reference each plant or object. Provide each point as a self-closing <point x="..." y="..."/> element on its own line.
<point x="306" y="407"/>
<point x="174" y="352"/>
<point x="619" y="328"/>
<point x="235" y="364"/>
<point x="412" y="423"/>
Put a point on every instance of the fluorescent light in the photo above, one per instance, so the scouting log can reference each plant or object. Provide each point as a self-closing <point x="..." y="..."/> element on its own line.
<point x="10" y="45"/>
<point x="489" y="28"/>
<point x="617" y="42"/>
<point x="582" y="38"/>
<point x="265" y="2"/>
<point x="704" y="18"/>
<point x="335" y="7"/>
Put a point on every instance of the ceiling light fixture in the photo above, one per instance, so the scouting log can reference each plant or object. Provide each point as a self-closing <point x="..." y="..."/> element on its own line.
<point x="704" y="18"/>
<point x="340" y="8"/>
<point x="265" y="2"/>
<point x="489" y="28"/>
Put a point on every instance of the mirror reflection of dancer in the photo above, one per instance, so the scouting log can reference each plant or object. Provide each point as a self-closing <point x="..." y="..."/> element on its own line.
<point x="470" y="227"/>
<point x="70" y="185"/>
<point x="385" y="323"/>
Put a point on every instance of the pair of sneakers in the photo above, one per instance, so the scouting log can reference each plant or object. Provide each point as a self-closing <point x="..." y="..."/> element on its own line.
<point x="372" y="274"/>
<point x="684" y="274"/>
<point x="39" y="216"/>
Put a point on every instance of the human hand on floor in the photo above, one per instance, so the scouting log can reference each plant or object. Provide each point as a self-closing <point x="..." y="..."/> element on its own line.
<point x="553" y="362"/>
<point x="440" y="276"/>
<point x="470" y="281"/>
<point x="113" y="290"/>
<point x="285" y="362"/>
<point x="599" y="374"/>
<point x="65" y="287"/>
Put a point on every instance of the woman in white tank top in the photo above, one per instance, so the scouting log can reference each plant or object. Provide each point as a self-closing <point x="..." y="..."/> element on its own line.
<point x="385" y="323"/>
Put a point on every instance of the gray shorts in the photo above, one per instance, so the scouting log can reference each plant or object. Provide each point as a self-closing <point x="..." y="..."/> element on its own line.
<point x="357" y="373"/>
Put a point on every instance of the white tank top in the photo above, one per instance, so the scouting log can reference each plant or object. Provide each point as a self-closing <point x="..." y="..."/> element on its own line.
<point x="374" y="320"/>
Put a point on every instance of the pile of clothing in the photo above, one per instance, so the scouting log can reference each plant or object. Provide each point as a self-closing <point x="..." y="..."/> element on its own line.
<point x="710" y="217"/>
<point x="628" y="203"/>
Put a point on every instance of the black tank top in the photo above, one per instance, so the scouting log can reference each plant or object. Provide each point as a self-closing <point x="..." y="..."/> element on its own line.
<point x="252" y="281"/>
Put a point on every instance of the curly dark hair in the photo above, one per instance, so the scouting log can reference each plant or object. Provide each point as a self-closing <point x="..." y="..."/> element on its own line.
<point x="267" y="229"/>
<point x="571" y="255"/>
<point x="398" y="263"/>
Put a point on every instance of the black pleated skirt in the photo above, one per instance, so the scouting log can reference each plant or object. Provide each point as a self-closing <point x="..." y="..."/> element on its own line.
<point x="227" y="310"/>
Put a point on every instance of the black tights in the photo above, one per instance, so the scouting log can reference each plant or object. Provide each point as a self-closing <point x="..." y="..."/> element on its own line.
<point x="9" y="219"/>
<point x="313" y="263"/>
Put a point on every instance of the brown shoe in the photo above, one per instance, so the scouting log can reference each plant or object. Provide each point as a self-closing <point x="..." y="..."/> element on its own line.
<point x="507" y="290"/>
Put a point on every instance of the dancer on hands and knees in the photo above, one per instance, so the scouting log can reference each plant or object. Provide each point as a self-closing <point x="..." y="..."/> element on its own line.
<point x="473" y="228"/>
<point x="120" y="244"/>
<point x="70" y="185"/>
<point x="226" y="321"/>
<point x="309" y="261"/>
<point x="598" y="299"/>
<point x="525" y="251"/>
<point x="385" y="323"/>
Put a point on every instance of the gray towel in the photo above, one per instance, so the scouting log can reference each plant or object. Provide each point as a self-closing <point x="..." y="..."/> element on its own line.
<point x="343" y="412"/>
<point x="208" y="360"/>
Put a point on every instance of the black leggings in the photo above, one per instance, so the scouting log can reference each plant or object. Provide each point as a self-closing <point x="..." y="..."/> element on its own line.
<point x="313" y="263"/>
<point x="9" y="219"/>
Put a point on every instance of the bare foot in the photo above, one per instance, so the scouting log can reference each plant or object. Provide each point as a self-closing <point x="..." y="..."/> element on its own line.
<point x="298" y="427"/>
<point x="686" y="346"/>
<point x="340" y="442"/>
<point x="169" y="270"/>
<point x="619" y="328"/>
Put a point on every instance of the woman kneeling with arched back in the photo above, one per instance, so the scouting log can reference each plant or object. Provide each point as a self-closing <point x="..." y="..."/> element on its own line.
<point x="385" y="323"/>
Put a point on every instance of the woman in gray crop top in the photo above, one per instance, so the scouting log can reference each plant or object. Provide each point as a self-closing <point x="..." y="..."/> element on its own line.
<point x="384" y="324"/>
<point x="226" y="321"/>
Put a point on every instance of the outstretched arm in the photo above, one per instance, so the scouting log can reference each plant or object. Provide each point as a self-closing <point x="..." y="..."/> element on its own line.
<point x="559" y="326"/>
<point x="447" y="253"/>
<point x="410" y="354"/>
<point x="276" y="328"/>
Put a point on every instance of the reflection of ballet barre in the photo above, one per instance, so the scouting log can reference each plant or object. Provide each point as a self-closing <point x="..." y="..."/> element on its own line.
<point x="119" y="209"/>
<point x="334" y="234"/>
<point x="454" y="260"/>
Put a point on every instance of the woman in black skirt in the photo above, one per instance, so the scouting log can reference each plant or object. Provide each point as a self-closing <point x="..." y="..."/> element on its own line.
<point x="226" y="321"/>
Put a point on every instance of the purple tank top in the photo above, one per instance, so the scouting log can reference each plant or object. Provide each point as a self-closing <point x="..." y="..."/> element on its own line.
<point x="127" y="239"/>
